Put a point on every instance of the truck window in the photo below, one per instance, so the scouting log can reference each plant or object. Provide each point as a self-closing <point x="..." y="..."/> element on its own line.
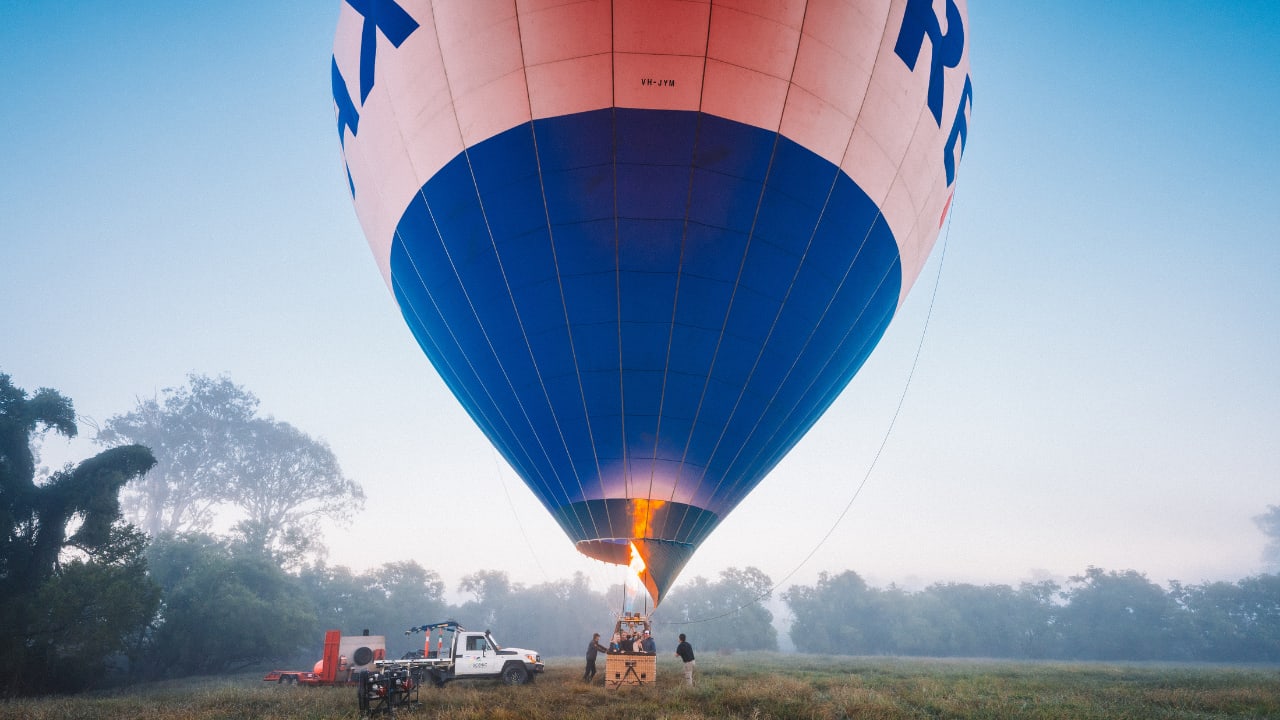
<point x="476" y="642"/>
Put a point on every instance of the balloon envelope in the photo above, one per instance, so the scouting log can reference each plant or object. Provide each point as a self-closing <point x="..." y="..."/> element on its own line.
<point x="647" y="243"/>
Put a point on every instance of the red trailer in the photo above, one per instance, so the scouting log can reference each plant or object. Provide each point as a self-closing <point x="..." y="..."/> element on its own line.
<point x="343" y="659"/>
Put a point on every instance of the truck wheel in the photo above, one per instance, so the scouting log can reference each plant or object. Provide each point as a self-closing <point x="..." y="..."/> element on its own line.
<point x="515" y="674"/>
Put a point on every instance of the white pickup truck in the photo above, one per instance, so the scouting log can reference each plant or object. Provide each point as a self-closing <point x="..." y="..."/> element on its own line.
<point x="466" y="654"/>
<point x="459" y="654"/>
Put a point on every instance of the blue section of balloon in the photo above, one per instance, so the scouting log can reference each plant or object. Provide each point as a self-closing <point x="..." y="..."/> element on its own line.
<point x="635" y="299"/>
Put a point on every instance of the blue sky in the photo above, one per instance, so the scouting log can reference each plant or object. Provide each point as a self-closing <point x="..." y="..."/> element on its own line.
<point x="1097" y="384"/>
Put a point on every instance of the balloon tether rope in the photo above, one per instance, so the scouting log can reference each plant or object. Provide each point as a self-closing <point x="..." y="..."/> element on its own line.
<point x="516" y="515"/>
<point x="883" y="442"/>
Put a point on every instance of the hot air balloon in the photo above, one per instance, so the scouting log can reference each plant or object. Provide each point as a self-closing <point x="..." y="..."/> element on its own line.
<point x="646" y="243"/>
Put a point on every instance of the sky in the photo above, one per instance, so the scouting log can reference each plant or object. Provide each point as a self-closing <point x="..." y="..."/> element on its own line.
<point x="1085" y="373"/>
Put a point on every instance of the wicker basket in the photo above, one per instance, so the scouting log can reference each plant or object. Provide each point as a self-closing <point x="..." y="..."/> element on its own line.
<point x="630" y="669"/>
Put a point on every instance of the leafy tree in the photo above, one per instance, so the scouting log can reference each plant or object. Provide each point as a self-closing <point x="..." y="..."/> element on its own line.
<point x="1118" y="616"/>
<point x="223" y="609"/>
<point x="492" y="592"/>
<point x="1037" y="619"/>
<point x="213" y="451"/>
<point x="385" y="600"/>
<point x="402" y="595"/>
<point x="840" y="615"/>
<point x="556" y="617"/>
<point x="341" y="598"/>
<point x="1258" y="610"/>
<point x="1234" y="622"/>
<point x="1269" y="523"/>
<point x="958" y="619"/>
<point x="983" y="621"/>
<point x="730" y="612"/>
<point x="1214" y="629"/>
<point x="72" y="586"/>
<point x="92" y="616"/>
<point x="194" y="433"/>
<point x="287" y="483"/>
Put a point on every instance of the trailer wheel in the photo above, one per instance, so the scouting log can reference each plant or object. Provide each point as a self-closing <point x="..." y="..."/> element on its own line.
<point x="515" y="674"/>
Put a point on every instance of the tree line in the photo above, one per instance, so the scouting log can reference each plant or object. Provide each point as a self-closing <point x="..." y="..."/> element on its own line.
<point x="1099" y="615"/>
<point x="109" y="571"/>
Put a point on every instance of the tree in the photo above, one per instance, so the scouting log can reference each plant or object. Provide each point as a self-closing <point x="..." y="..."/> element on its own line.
<point x="194" y="432"/>
<point x="1037" y="614"/>
<point x="1269" y="523"/>
<point x="981" y="621"/>
<point x="1259" y="613"/>
<point x="841" y="615"/>
<point x="403" y="594"/>
<point x="1216" y="628"/>
<point x="1234" y="622"/>
<point x="215" y="452"/>
<point x="340" y="598"/>
<point x="964" y="620"/>
<point x="492" y="593"/>
<point x="557" y="617"/>
<point x="287" y="483"/>
<point x="730" y="612"/>
<point x="1118" y="616"/>
<point x="72" y="586"/>
<point x="386" y="600"/>
<point x="93" y="616"/>
<point x="223" y="609"/>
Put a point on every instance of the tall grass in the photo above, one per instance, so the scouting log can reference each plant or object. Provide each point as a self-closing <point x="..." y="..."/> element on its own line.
<point x="749" y="686"/>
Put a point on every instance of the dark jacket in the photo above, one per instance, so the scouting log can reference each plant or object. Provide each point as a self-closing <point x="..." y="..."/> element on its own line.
<point x="594" y="647"/>
<point x="685" y="651"/>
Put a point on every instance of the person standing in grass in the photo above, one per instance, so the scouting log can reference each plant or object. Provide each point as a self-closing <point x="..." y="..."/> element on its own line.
<point x="685" y="652"/>
<point x="593" y="647"/>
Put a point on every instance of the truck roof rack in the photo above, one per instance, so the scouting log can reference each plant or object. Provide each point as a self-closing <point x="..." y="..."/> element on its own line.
<point x="448" y="624"/>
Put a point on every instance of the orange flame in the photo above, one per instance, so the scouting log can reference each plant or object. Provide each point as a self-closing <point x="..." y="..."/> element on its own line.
<point x="637" y="563"/>
<point x="640" y="570"/>
<point x="642" y="511"/>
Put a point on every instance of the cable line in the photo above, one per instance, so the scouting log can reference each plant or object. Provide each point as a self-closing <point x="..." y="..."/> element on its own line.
<point x="498" y="465"/>
<point x="874" y="460"/>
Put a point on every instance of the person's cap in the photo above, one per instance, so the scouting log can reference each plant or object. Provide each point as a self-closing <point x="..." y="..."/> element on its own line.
<point x="646" y="632"/>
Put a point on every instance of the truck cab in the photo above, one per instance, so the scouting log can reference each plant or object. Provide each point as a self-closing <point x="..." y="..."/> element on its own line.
<point x="477" y="656"/>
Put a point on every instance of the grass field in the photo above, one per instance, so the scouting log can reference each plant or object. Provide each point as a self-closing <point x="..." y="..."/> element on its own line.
<point x="740" y="686"/>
